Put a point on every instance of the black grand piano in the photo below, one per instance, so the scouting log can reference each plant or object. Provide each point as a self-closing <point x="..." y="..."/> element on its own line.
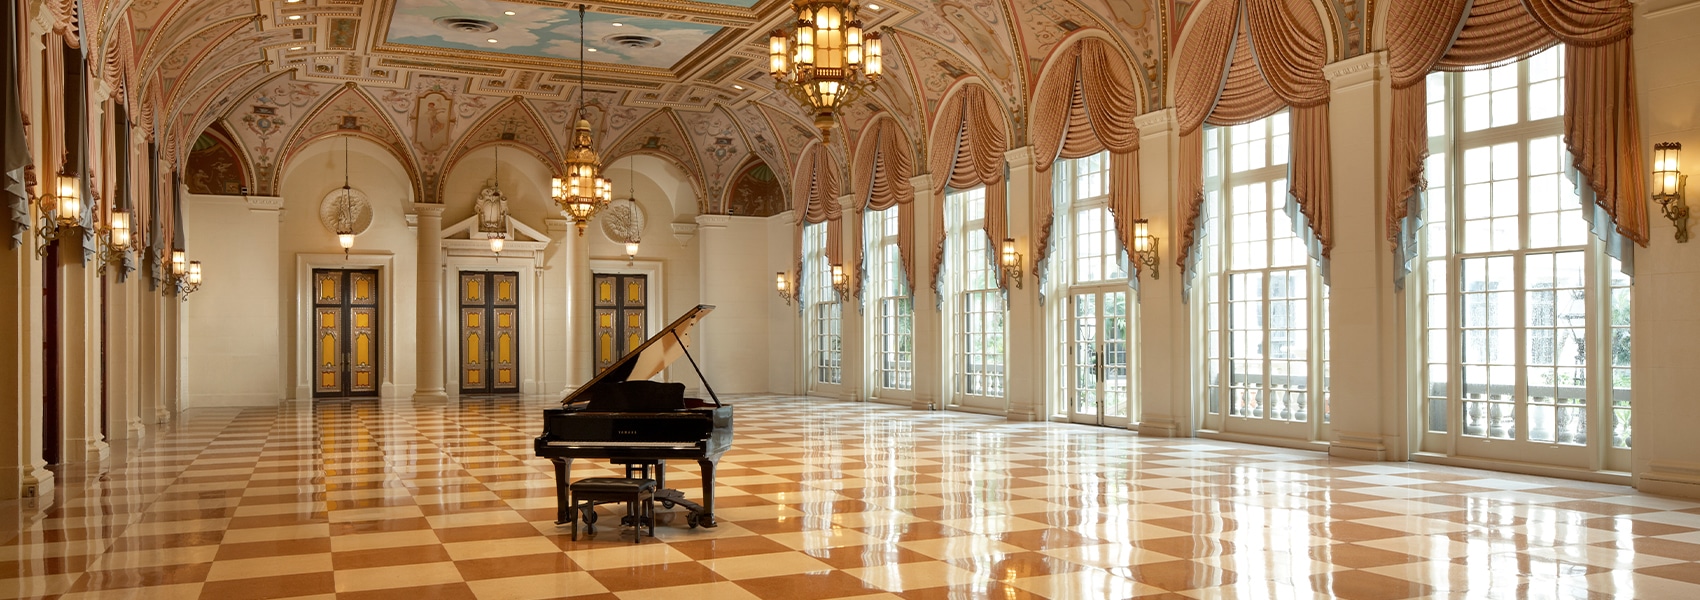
<point x="622" y="416"/>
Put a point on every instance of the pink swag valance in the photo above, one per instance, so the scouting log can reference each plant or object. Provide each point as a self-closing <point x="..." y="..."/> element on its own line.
<point x="1601" y="122"/>
<point x="1086" y="105"/>
<point x="880" y="180"/>
<point x="1238" y="66"/>
<point x="814" y="189"/>
<point x="967" y="151"/>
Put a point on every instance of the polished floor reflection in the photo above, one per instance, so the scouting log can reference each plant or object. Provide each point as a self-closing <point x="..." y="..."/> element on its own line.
<point x="823" y="500"/>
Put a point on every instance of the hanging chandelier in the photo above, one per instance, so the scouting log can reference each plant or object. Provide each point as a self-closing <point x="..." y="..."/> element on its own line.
<point x="826" y="60"/>
<point x="584" y="191"/>
<point x="496" y="232"/>
<point x="345" y="215"/>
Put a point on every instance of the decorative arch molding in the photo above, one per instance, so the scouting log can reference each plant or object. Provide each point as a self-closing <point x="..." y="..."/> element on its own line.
<point x="697" y="201"/>
<point x="662" y="135"/>
<point x="203" y="163"/>
<point x="514" y="122"/>
<point x="348" y="111"/>
<point x="175" y="124"/>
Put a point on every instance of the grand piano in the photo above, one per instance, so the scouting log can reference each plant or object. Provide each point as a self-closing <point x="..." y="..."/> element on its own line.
<point x="622" y="416"/>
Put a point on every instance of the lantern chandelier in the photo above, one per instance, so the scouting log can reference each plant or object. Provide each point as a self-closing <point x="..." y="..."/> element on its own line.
<point x="584" y="191"/>
<point x="826" y="60"/>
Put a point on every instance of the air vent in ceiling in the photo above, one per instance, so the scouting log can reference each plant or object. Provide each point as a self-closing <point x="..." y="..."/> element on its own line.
<point x="632" y="41"/>
<point x="465" y="24"/>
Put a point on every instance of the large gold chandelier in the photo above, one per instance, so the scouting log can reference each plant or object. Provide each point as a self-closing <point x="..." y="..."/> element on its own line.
<point x="826" y="60"/>
<point x="584" y="191"/>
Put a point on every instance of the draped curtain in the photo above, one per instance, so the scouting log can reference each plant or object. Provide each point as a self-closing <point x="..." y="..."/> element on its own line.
<point x="815" y="188"/>
<point x="967" y="150"/>
<point x="1245" y="60"/>
<point x="884" y="163"/>
<point x="1601" y="117"/>
<point x="15" y="159"/>
<point x="1086" y="105"/>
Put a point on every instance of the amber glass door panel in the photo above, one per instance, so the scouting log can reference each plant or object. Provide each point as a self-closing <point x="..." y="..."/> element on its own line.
<point x="489" y="333"/>
<point x="620" y="315"/>
<point x="345" y="333"/>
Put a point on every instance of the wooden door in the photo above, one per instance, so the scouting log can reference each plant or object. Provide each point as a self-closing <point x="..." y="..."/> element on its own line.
<point x="621" y="315"/>
<point x="489" y="333"/>
<point x="345" y="333"/>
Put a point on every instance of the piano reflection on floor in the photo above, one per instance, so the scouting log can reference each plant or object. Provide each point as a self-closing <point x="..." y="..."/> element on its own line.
<point x="622" y="416"/>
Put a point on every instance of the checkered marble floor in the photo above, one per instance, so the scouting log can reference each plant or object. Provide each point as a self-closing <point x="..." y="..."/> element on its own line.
<point x="821" y="499"/>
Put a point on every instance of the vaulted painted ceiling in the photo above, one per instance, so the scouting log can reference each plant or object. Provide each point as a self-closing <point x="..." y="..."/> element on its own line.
<point x="685" y="80"/>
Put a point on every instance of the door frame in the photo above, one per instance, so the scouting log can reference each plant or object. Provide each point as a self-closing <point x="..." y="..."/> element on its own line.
<point x="530" y="327"/>
<point x="305" y="263"/>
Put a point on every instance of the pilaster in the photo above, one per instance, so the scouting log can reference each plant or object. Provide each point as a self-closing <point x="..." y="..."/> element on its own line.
<point x="170" y="365"/>
<point x="929" y="346"/>
<point x="581" y="357"/>
<point x="1365" y="331"/>
<point x="1024" y="357"/>
<point x="713" y="242"/>
<point x="853" y="381"/>
<point x="1165" y="341"/>
<point x="79" y="355"/>
<point x="557" y="318"/>
<point x="22" y="471"/>
<point x="429" y="350"/>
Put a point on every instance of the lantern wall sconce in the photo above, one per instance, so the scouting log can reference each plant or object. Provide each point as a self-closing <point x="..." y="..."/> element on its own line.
<point x="1145" y="253"/>
<point x="182" y="276"/>
<point x="61" y="212"/>
<point x="783" y="284"/>
<point x="1668" y="182"/>
<point x="113" y="239"/>
<point x="1010" y="260"/>
<point x="840" y="281"/>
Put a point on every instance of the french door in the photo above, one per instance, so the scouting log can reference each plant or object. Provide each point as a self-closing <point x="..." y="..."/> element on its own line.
<point x="621" y="315"/>
<point x="345" y="321"/>
<point x="489" y="333"/>
<point x="1096" y="340"/>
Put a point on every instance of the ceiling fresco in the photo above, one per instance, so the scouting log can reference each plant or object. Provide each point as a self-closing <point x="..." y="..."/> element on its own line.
<point x="690" y="84"/>
<point x="544" y="32"/>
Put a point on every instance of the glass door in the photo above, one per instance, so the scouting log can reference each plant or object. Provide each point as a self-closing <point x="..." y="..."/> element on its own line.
<point x="1100" y="390"/>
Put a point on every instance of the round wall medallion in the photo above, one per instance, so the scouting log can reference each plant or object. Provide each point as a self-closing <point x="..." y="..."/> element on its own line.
<point x="331" y="210"/>
<point x="622" y="221"/>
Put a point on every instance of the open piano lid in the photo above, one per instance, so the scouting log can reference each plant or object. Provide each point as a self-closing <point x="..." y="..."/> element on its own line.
<point x="649" y="359"/>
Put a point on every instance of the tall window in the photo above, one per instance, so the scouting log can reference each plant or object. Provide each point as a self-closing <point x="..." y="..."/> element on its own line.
<point x="1525" y="319"/>
<point x="977" y="304"/>
<point x="825" y="311"/>
<point x="1094" y="317"/>
<point x="1264" y="298"/>
<point x="894" y="309"/>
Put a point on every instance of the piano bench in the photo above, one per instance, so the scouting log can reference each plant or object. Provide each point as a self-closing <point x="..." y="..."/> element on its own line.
<point x="637" y="494"/>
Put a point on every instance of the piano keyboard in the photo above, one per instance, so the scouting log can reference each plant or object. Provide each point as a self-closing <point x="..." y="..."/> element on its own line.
<point x="584" y="444"/>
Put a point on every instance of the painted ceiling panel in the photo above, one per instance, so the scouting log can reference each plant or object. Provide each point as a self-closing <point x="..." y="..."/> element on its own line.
<point x="545" y="32"/>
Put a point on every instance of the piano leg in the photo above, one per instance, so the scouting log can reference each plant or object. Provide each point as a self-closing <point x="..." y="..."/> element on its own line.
<point x="706" y="518"/>
<point x="563" y="490"/>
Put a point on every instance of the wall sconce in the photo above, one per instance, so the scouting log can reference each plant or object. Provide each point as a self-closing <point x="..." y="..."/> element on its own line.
<point x="114" y="241"/>
<point x="783" y="284"/>
<point x="61" y="211"/>
<point x="1010" y="260"/>
<point x="1668" y="182"/>
<point x="182" y="276"/>
<point x="840" y="283"/>
<point x="193" y="281"/>
<point x="1145" y="246"/>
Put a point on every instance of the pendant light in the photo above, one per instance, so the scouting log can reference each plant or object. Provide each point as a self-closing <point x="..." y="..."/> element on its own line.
<point x="499" y="233"/>
<point x="345" y="207"/>
<point x="584" y="191"/>
<point x="631" y="196"/>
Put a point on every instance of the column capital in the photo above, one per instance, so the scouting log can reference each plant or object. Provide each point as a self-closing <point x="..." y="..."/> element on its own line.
<point x="264" y="203"/>
<point x="429" y="209"/>
<point x="558" y="225"/>
<point x="1157" y="122"/>
<point x="713" y="221"/>
<point x="1019" y="158"/>
<point x="1356" y="71"/>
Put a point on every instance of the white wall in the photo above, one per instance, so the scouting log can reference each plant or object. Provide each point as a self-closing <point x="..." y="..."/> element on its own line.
<point x="230" y="341"/>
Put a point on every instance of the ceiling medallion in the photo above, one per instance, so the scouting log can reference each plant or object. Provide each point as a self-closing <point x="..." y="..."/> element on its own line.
<point x="355" y="217"/>
<point x="632" y="41"/>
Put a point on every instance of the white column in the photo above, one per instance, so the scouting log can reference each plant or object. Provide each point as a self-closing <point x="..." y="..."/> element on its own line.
<point x="1165" y="344"/>
<point x="79" y="352"/>
<point x="170" y="365"/>
<point x="151" y="408"/>
<point x="23" y="474"/>
<point x="713" y="242"/>
<point x="121" y="364"/>
<point x="581" y="325"/>
<point x="430" y="310"/>
<point x="853" y="379"/>
<point x="553" y="278"/>
<point x="1024" y="338"/>
<point x="1367" y="316"/>
<point x="930" y="374"/>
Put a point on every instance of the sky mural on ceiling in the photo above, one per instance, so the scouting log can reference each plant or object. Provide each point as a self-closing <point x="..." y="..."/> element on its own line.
<point x="546" y="31"/>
